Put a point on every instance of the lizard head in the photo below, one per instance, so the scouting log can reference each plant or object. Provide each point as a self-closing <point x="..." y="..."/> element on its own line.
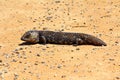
<point x="31" y="36"/>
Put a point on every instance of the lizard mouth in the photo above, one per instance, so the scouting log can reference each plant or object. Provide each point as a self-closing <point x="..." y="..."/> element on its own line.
<point x="23" y="38"/>
<point x="28" y="40"/>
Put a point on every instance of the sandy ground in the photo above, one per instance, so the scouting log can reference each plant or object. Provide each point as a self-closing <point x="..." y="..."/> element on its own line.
<point x="100" y="18"/>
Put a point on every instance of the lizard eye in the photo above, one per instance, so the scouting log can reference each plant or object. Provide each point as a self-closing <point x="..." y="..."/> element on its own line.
<point x="27" y="36"/>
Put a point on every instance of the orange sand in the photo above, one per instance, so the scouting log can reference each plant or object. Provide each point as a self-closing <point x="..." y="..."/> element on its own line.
<point x="100" y="18"/>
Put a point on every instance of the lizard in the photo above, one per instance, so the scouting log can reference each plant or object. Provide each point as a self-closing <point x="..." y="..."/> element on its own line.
<point x="69" y="38"/>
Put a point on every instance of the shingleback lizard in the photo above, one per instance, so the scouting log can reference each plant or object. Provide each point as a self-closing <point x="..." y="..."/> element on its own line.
<point x="44" y="37"/>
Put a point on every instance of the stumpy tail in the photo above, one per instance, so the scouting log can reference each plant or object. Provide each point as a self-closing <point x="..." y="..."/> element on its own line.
<point x="92" y="40"/>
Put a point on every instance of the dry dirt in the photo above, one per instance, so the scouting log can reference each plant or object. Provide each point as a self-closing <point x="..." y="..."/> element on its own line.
<point x="100" y="18"/>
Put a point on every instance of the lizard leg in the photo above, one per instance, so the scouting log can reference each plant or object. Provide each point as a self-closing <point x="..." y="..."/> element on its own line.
<point x="78" y="42"/>
<point x="43" y="39"/>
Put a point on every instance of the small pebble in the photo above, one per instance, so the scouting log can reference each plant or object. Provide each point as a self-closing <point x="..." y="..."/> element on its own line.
<point x="117" y="77"/>
<point x="30" y="51"/>
<point x="0" y="46"/>
<point x="38" y="55"/>
<point x="36" y="64"/>
<point x="49" y="18"/>
<point x="63" y="76"/>
<point x="57" y="1"/>
<point x="59" y="66"/>
<point x="72" y="50"/>
<point x="16" y="76"/>
<point x="111" y="59"/>
<point x="17" y="52"/>
<point x="34" y="28"/>
<point x="20" y="61"/>
<point x="72" y="57"/>
<point x="43" y="62"/>
<point x="5" y="71"/>
<point x="75" y="71"/>
<point x="43" y="49"/>
<point x="21" y="49"/>
<point x="77" y="48"/>
<point x="14" y="60"/>
<point x="45" y="28"/>
<point x="110" y="29"/>
<point x="55" y="75"/>
<point x="116" y="42"/>
<point x="25" y="57"/>
<point x="0" y="61"/>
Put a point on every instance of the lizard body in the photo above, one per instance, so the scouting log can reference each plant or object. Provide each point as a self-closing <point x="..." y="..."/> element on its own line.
<point x="34" y="36"/>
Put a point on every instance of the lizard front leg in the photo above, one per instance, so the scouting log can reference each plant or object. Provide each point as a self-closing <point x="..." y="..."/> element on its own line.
<point x="42" y="39"/>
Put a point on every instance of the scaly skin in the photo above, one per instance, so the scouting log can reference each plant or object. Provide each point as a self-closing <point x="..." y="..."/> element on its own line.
<point x="44" y="37"/>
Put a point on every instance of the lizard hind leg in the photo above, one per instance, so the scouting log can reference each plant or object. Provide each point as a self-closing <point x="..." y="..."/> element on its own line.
<point x="78" y="41"/>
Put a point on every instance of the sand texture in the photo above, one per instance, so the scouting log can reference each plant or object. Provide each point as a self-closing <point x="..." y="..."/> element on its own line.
<point x="100" y="18"/>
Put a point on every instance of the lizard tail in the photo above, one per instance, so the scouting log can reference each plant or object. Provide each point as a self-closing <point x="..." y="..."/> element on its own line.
<point x="92" y="40"/>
